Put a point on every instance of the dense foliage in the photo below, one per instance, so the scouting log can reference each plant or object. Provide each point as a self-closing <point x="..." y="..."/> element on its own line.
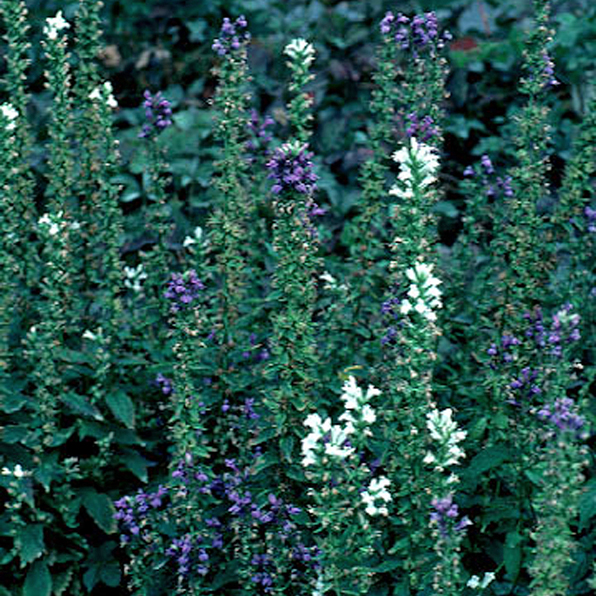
<point x="297" y="299"/>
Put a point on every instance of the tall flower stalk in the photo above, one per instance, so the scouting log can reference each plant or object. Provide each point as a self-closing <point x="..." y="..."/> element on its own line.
<point x="294" y="286"/>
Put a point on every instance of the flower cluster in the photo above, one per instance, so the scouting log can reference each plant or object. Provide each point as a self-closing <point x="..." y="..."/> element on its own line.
<point x="131" y="512"/>
<point x="10" y="114"/>
<point x="51" y="224"/>
<point x="443" y="430"/>
<point x="548" y="71"/>
<point x="421" y="32"/>
<point x="505" y="352"/>
<point x="54" y="25"/>
<point x="158" y="113"/>
<point x="332" y="437"/>
<point x="16" y="472"/>
<point x="445" y="515"/>
<point x="301" y="51"/>
<point x="358" y="412"/>
<point x="476" y="583"/>
<point x="334" y="440"/>
<point x="421" y="128"/>
<point x="491" y="184"/>
<point x="106" y="93"/>
<point x="377" y="493"/>
<point x="291" y="169"/>
<point x="231" y="36"/>
<point x="419" y="164"/>
<point x="424" y="294"/>
<point x="134" y="277"/>
<point x="189" y="554"/>
<point x="165" y="384"/>
<point x="183" y="289"/>
<point x="563" y="414"/>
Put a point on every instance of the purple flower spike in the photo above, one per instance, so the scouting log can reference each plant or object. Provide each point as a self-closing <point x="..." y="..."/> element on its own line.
<point x="183" y="289"/>
<point x="416" y="34"/>
<point x="291" y="169"/>
<point x="158" y="113"/>
<point x="231" y="36"/>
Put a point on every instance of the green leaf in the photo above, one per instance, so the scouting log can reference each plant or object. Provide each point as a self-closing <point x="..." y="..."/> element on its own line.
<point x="62" y="581"/>
<point x="136" y="463"/>
<point x="512" y="554"/>
<point x="587" y="504"/>
<point x="80" y="405"/>
<point x="14" y="434"/>
<point x="122" y="407"/>
<point x="100" y="508"/>
<point x="38" y="581"/>
<point x="29" y="542"/>
<point x="111" y="574"/>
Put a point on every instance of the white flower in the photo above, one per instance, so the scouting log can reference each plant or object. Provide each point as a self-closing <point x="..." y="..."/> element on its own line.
<point x="330" y="281"/>
<point x="98" y="93"/>
<point x="377" y="491"/>
<point x="51" y="223"/>
<point x="196" y="238"/>
<point x="134" y="277"/>
<point x="424" y="290"/>
<point x="54" y="25"/>
<point x="443" y="429"/>
<point x="11" y="114"/>
<point x="368" y="414"/>
<point x="88" y="334"/>
<point x="475" y="582"/>
<point x="300" y="50"/>
<point x="17" y="472"/>
<point x="419" y="163"/>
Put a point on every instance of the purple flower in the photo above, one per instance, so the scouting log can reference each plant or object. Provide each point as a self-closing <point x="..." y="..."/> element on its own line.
<point x="165" y="383"/>
<point x="158" y="113"/>
<point x="563" y="414"/>
<point x="231" y="37"/>
<point x="548" y="71"/>
<point x="183" y="289"/>
<point x="445" y="513"/>
<point x="419" y="33"/>
<point x="487" y="164"/>
<point x="421" y="128"/>
<point x="291" y="169"/>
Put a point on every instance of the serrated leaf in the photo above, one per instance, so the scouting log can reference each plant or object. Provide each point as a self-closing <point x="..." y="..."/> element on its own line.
<point x="100" y="508"/>
<point x="111" y="574"/>
<point x="61" y="582"/>
<point x="29" y="542"/>
<point x="488" y="458"/>
<point x="80" y="405"/>
<point x="122" y="407"/>
<point x="38" y="581"/>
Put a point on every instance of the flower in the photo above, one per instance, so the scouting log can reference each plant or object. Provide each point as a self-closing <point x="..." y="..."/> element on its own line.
<point x="50" y="223"/>
<point x="300" y="50"/>
<point x="291" y="169"/>
<point x="563" y="414"/>
<point x="134" y="277"/>
<point x="158" y="112"/>
<point x="443" y="430"/>
<point x="104" y="91"/>
<point x="376" y="491"/>
<point x="11" y="114"/>
<point x="17" y="472"/>
<point x="183" y="289"/>
<point x="54" y="25"/>
<point x="419" y="164"/>
<point x="424" y="290"/>
<point x="231" y="37"/>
